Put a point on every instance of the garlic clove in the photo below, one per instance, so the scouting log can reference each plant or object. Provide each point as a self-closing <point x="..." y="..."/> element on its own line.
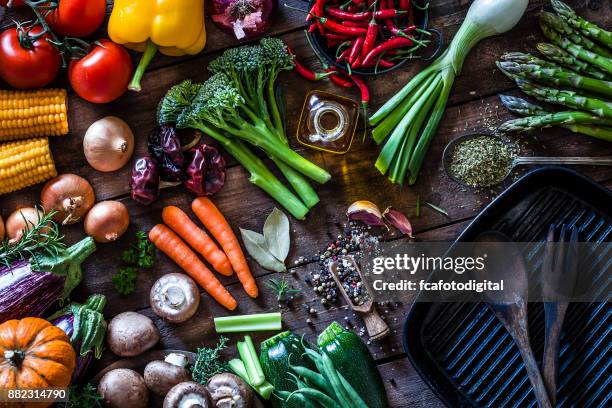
<point x="398" y="220"/>
<point x="366" y="212"/>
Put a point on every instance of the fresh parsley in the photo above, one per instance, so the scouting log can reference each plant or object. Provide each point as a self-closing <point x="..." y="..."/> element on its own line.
<point x="140" y="255"/>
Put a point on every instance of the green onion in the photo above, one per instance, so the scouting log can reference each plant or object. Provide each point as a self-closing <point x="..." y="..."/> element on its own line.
<point x="438" y="209"/>
<point x="248" y="323"/>
<point x="410" y="119"/>
<point x="238" y="367"/>
<point x="248" y="355"/>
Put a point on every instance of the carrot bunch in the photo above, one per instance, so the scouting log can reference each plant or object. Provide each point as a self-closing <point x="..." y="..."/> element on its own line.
<point x="180" y="234"/>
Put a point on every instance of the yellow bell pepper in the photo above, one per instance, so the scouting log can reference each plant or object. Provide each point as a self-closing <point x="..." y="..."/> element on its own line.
<point x="174" y="27"/>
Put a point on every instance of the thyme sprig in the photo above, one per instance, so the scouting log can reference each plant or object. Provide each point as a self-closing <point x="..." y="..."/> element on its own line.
<point x="209" y="362"/>
<point x="42" y="238"/>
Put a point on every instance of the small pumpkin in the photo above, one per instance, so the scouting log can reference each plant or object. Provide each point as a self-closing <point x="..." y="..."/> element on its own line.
<point x="34" y="354"/>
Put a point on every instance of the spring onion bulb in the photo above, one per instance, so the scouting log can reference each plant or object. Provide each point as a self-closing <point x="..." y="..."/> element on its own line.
<point x="409" y="119"/>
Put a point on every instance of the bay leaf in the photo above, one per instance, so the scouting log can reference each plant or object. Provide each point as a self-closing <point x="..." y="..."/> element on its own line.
<point x="276" y="234"/>
<point x="255" y="244"/>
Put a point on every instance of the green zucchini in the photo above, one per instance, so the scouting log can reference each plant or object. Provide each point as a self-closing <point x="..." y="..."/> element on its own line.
<point x="277" y="355"/>
<point x="352" y="359"/>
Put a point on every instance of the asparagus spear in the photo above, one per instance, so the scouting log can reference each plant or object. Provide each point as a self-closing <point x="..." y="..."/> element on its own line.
<point x="557" y="76"/>
<point x="561" y="57"/>
<point x="575" y="121"/>
<point x="586" y="27"/>
<point x="577" y="51"/>
<point x="558" y="24"/>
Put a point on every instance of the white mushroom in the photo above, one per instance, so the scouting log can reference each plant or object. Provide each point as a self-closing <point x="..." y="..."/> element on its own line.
<point x="161" y="376"/>
<point x="123" y="388"/>
<point x="187" y="395"/>
<point x="175" y="297"/>
<point x="229" y="391"/>
<point x="130" y="334"/>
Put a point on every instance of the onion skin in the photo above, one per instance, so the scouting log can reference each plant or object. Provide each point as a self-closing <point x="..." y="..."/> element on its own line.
<point x="70" y="195"/>
<point x="108" y="144"/>
<point x="243" y="19"/>
<point x="107" y="221"/>
<point x="2" y="231"/>
<point x="15" y="223"/>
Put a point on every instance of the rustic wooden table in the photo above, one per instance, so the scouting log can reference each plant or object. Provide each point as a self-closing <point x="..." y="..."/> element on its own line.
<point x="473" y="107"/>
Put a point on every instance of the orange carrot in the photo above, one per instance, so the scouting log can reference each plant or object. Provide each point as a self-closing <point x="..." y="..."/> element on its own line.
<point x="177" y="250"/>
<point x="216" y="223"/>
<point x="199" y="240"/>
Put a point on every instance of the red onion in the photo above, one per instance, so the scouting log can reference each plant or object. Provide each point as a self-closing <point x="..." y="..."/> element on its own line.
<point x="242" y="18"/>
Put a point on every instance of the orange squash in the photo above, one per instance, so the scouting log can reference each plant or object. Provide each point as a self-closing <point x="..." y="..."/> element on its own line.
<point x="34" y="354"/>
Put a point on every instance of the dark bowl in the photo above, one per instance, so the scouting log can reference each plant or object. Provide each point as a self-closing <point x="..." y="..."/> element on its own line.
<point x="421" y="19"/>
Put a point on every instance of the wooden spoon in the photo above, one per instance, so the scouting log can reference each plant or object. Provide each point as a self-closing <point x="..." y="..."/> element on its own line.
<point x="377" y="328"/>
<point x="505" y="261"/>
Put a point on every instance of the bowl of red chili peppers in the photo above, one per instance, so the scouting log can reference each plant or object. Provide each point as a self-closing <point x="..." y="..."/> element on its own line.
<point x="368" y="37"/>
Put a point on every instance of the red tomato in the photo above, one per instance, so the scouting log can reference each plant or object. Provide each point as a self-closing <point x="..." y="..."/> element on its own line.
<point x="102" y="75"/>
<point x="77" y="18"/>
<point x="27" y="68"/>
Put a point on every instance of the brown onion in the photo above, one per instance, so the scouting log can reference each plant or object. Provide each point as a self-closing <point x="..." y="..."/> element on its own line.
<point x="1" y="229"/>
<point x="21" y="219"/>
<point x="108" y="144"/>
<point x="70" y="195"/>
<point x="107" y="221"/>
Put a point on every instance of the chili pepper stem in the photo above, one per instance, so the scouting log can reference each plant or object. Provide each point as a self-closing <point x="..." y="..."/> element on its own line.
<point x="145" y="60"/>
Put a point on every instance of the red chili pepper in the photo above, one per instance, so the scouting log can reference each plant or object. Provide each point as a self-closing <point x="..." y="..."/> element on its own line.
<point x="380" y="63"/>
<point x="364" y="15"/>
<point x="339" y="80"/>
<point x="337" y="37"/>
<point x="344" y="55"/>
<point x="305" y="72"/>
<point x="370" y="38"/>
<point x="340" y="29"/>
<point x="356" y="49"/>
<point x="391" y="44"/>
<point x="361" y="24"/>
<point x="365" y="99"/>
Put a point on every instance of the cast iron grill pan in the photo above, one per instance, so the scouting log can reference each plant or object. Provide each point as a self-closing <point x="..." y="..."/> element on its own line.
<point x="468" y="358"/>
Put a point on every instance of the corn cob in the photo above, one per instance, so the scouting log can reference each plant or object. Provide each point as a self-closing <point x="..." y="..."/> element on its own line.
<point x="24" y="163"/>
<point x="26" y="114"/>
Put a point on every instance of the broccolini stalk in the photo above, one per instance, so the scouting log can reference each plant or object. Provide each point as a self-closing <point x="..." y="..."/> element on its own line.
<point x="411" y="117"/>
<point x="253" y="71"/>
<point x="177" y="103"/>
<point x="537" y="117"/>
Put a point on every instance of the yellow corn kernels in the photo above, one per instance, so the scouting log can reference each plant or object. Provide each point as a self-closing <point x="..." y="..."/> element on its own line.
<point x="24" y="163"/>
<point x="26" y="114"/>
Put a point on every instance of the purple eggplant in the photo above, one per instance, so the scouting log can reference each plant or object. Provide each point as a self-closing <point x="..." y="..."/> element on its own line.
<point x="31" y="287"/>
<point x="86" y="327"/>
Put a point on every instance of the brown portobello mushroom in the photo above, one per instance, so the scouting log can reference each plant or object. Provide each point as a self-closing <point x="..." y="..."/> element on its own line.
<point x="161" y="376"/>
<point x="130" y="334"/>
<point x="188" y="395"/>
<point x="175" y="297"/>
<point x="123" y="388"/>
<point x="229" y="391"/>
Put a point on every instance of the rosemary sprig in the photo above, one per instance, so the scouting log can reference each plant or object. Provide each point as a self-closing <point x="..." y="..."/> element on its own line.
<point x="42" y="238"/>
<point x="281" y="288"/>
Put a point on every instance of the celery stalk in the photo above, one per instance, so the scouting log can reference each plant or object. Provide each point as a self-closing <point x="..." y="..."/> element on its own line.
<point x="238" y="367"/>
<point x="248" y="355"/>
<point x="248" y="323"/>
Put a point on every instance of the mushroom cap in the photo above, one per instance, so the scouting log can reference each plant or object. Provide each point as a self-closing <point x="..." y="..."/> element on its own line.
<point x="161" y="376"/>
<point x="124" y="388"/>
<point x="187" y="394"/>
<point x="229" y="390"/>
<point x="175" y="297"/>
<point x="130" y="334"/>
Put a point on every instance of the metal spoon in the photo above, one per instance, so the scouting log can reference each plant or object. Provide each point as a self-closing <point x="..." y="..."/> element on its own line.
<point x="505" y="261"/>
<point x="519" y="160"/>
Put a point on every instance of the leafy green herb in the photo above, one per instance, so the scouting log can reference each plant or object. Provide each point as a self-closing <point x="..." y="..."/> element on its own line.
<point x="40" y="239"/>
<point x="83" y="397"/>
<point x="438" y="209"/>
<point x="140" y="255"/>
<point x="208" y="362"/>
<point x="281" y="288"/>
<point x="125" y="280"/>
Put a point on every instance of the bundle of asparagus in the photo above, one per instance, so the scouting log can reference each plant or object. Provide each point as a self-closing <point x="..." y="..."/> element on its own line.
<point x="576" y="73"/>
